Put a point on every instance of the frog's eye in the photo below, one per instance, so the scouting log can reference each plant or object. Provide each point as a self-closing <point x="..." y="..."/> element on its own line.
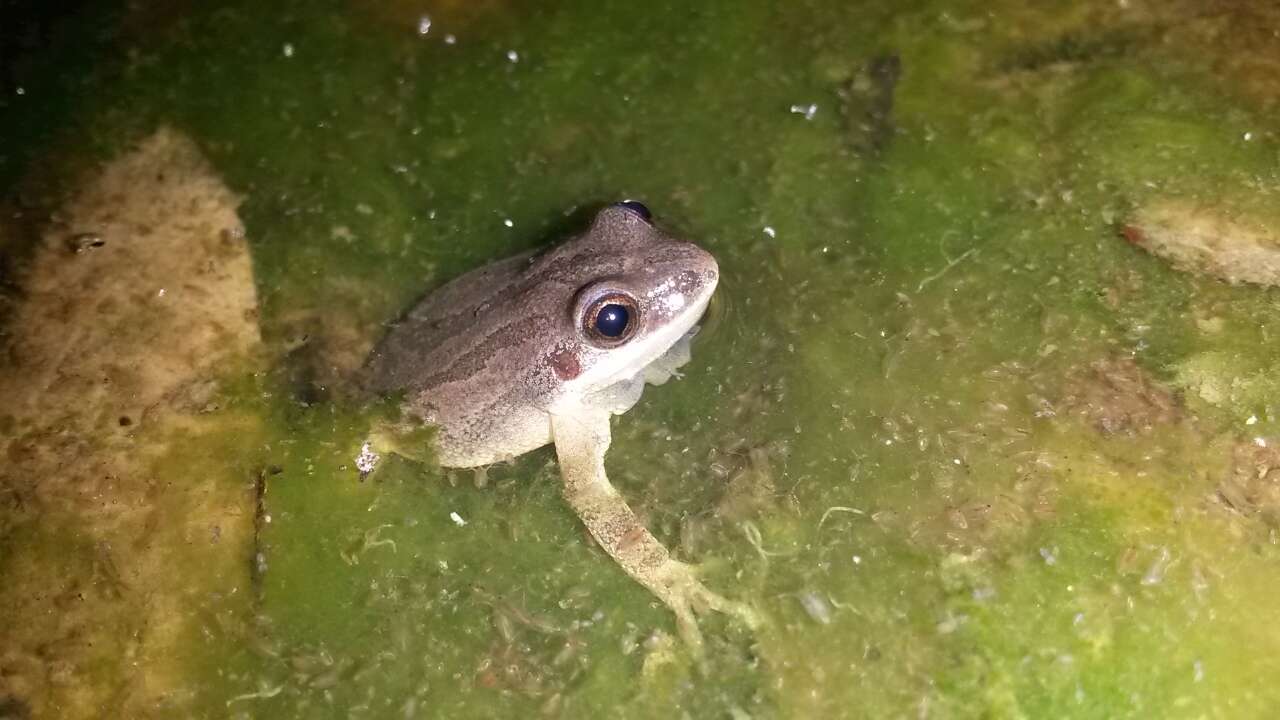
<point x="611" y="320"/>
<point x="638" y="208"/>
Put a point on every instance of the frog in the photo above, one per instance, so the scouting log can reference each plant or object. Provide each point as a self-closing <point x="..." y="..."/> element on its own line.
<point x="545" y="348"/>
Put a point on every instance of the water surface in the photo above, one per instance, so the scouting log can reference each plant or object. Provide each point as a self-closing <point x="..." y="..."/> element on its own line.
<point x="970" y="451"/>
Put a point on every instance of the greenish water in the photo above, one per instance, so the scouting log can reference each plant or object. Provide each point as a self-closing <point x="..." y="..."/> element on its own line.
<point x="888" y="438"/>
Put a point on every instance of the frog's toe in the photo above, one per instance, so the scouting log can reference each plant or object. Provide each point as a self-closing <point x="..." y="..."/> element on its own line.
<point x="685" y="590"/>
<point x="705" y="599"/>
<point x="687" y="625"/>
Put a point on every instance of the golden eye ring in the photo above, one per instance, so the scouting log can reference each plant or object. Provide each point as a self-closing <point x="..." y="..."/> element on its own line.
<point x="611" y="320"/>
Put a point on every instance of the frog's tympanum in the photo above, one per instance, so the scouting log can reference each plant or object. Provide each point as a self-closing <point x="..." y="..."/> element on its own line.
<point x="545" y="348"/>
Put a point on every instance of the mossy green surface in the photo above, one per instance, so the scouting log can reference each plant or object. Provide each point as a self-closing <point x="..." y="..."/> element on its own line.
<point x="941" y="534"/>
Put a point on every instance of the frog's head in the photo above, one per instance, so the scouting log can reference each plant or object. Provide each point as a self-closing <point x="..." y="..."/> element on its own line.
<point x="638" y="292"/>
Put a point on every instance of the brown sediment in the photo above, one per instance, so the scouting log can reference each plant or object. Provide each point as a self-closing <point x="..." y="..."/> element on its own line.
<point x="1251" y="485"/>
<point x="867" y="105"/>
<point x="114" y="351"/>
<point x="1233" y="42"/>
<point x="1235" y="39"/>
<point x="1116" y="396"/>
<point x="1133" y="234"/>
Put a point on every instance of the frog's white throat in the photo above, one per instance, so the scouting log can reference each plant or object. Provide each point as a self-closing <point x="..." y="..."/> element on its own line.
<point x="615" y="386"/>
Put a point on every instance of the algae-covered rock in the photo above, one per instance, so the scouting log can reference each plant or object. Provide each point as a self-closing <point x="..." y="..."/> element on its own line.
<point x="138" y="298"/>
<point x="1229" y="381"/>
<point x="1204" y="240"/>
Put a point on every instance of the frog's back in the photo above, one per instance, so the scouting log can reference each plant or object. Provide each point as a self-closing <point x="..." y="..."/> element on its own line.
<point x="439" y="327"/>
<point x="462" y="358"/>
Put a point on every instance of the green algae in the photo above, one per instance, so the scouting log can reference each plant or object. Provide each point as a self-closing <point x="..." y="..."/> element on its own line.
<point x="944" y="535"/>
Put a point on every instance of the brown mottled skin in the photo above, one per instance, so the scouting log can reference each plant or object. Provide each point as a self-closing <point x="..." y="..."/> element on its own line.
<point x="501" y="362"/>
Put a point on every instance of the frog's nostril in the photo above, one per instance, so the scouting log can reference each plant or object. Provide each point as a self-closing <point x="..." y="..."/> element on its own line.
<point x="638" y="208"/>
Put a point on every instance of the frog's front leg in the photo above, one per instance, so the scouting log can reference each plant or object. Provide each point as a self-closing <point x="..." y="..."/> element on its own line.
<point x="407" y="438"/>
<point x="581" y="442"/>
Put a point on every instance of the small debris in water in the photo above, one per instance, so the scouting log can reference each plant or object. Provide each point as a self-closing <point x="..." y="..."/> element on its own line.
<point x="513" y="56"/>
<point x="366" y="461"/>
<point x="816" y="607"/>
<point x="950" y="624"/>
<point x="754" y="537"/>
<point x="424" y="24"/>
<point x="288" y="50"/>
<point x="80" y="242"/>
<point x="838" y="509"/>
<point x="1155" y="574"/>
<point x="768" y="230"/>
<point x="450" y="39"/>
<point x="457" y="519"/>
<point x="509" y="222"/>
<point x="808" y="111"/>
<point x="372" y="539"/>
<point x="261" y="694"/>
<point x="1050" y="556"/>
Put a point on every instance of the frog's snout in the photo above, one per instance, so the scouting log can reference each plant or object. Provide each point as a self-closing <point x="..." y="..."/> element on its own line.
<point x="696" y="269"/>
<point x="710" y="269"/>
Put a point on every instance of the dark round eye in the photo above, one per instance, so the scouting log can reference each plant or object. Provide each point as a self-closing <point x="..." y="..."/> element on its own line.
<point x="638" y="208"/>
<point x="611" y="320"/>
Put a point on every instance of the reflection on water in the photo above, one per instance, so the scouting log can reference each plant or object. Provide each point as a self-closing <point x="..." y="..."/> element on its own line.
<point x="987" y="427"/>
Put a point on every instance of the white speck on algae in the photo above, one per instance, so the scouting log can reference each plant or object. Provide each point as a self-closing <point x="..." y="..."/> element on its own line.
<point x="815" y="607"/>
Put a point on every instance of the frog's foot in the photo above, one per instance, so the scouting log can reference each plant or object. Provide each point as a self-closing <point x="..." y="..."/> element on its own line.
<point x="678" y="586"/>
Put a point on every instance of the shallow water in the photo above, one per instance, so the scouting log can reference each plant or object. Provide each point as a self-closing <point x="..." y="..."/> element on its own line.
<point x="970" y="452"/>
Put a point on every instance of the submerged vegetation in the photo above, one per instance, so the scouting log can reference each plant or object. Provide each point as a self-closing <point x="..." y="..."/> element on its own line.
<point x="970" y="451"/>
